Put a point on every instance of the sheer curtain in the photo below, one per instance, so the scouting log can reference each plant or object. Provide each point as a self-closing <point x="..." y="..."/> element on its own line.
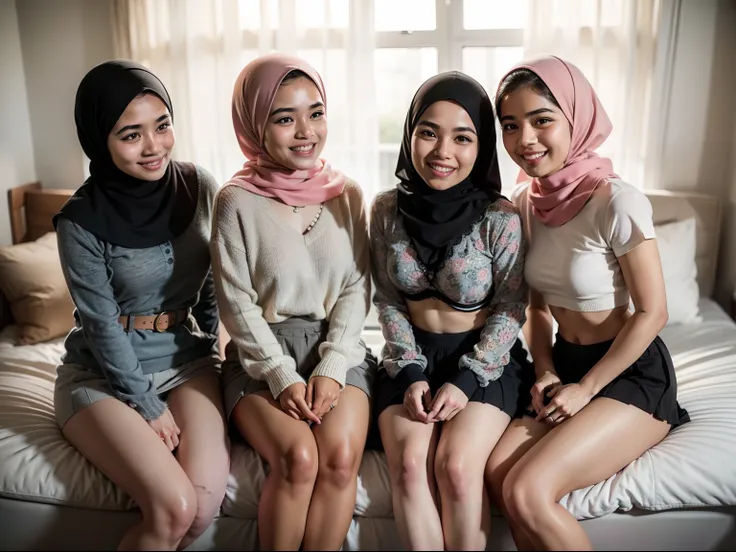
<point x="614" y="43"/>
<point x="198" y="47"/>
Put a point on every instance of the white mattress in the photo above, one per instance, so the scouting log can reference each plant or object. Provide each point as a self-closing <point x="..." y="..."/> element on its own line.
<point x="693" y="466"/>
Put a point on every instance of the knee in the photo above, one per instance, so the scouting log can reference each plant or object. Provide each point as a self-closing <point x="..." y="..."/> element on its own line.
<point x="410" y="470"/>
<point x="340" y="466"/>
<point x="453" y="477"/>
<point x="172" y="516"/>
<point x="524" y="495"/>
<point x="298" y="465"/>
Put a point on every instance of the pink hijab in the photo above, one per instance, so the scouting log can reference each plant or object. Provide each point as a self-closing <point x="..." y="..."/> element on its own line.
<point x="557" y="198"/>
<point x="253" y="94"/>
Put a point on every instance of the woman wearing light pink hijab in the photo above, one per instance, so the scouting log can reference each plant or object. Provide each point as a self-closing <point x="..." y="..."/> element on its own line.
<point x="606" y="389"/>
<point x="290" y="260"/>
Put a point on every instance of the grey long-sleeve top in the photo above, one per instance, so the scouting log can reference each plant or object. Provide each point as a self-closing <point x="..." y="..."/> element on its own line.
<point x="107" y="281"/>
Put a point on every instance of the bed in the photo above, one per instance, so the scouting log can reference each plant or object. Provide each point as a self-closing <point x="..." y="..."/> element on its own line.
<point x="681" y="495"/>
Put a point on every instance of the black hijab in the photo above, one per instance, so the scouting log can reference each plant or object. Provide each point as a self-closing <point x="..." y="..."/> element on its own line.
<point x="113" y="205"/>
<point x="436" y="220"/>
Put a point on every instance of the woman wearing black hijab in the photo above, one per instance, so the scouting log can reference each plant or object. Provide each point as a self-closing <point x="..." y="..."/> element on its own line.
<point x="447" y="256"/>
<point x="140" y="377"/>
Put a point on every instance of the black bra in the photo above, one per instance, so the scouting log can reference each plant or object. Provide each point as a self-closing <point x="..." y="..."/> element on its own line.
<point x="431" y="293"/>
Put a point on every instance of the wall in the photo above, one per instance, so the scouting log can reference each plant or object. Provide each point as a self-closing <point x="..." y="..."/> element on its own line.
<point x="16" y="146"/>
<point x="700" y="136"/>
<point x="61" y="41"/>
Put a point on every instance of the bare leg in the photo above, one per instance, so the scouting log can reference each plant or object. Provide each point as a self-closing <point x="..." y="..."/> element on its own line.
<point x="291" y="452"/>
<point x="204" y="448"/>
<point x="340" y="442"/>
<point x="519" y="437"/>
<point x="121" y="444"/>
<point x="601" y="439"/>
<point x="465" y="444"/>
<point x="408" y="444"/>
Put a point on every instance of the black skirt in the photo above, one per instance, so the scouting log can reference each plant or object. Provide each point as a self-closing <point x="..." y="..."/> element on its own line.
<point x="509" y="393"/>
<point x="649" y="384"/>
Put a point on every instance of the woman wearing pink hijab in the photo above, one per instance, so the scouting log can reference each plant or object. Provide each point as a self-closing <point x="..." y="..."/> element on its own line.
<point x="290" y="259"/>
<point x="606" y="390"/>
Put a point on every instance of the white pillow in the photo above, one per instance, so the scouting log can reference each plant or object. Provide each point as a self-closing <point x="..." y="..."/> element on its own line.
<point x="676" y="242"/>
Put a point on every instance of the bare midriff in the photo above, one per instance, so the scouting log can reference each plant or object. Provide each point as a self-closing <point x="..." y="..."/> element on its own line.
<point x="433" y="315"/>
<point x="588" y="328"/>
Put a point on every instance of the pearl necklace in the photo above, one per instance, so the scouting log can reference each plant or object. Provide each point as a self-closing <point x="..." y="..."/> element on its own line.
<point x="315" y="219"/>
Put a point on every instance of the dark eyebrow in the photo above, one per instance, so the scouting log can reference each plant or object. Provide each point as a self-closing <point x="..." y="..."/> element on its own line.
<point x="530" y="114"/>
<point x="126" y="128"/>
<point x="315" y="105"/>
<point x="435" y="126"/>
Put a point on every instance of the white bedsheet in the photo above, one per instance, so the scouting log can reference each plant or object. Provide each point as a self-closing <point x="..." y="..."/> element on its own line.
<point x="694" y="466"/>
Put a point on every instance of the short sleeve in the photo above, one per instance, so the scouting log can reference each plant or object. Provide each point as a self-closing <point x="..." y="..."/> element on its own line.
<point x="628" y="220"/>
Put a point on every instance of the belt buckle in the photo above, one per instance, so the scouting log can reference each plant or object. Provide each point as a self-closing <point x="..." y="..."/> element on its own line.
<point x="157" y="321"/>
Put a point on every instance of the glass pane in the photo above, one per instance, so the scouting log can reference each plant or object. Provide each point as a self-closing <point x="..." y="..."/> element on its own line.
<point x="405" y="15"/>
<point x="249" y="14"/>
<point x="494" y="14"/>
<point x="317" y="14"/>
<point x="398" y="74"/>
<point x="487" y="66"/>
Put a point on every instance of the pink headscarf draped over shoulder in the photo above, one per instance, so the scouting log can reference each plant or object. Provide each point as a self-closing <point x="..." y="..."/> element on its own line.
<point x="557" y="198"/>
<point x="253" y="95"/>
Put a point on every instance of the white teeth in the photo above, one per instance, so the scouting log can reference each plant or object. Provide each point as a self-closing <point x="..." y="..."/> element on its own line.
<point x="304" y="148"/>
<point x="534" y="156"/>
<point x="441" y="169"/>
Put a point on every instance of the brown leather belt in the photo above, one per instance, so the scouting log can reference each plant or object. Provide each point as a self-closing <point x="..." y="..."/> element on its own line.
<point x="155" y="322"/>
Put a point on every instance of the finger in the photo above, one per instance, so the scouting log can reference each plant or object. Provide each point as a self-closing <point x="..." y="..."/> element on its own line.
<point x="175" y="439"/>
<point x="290" y="408"/>
<point x="309" y="395"/>
<point x="445" y="412"/>
<point x="320" y="406"/>
<point x="418" y="409"/>
<point x="452" y="414"/>
<point x="437" y="405"/>
<point x="306" y="412"/>
<point x="168" y="443"/>
<point x="552" y="390"/>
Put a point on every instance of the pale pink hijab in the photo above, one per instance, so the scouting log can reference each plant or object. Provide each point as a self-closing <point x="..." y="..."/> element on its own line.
<point x="557" y="198"/>
<point x="253" y="94"/>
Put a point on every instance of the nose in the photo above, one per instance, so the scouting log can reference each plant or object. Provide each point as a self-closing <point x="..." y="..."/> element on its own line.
<point x="151" y="144"/>
<point x="304" y="129"/>
<point x="444" y="147"/>
<point x="528" y="136"/>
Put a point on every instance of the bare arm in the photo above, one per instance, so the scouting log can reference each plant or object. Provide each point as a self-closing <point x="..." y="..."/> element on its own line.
<point x="538" y="333"/>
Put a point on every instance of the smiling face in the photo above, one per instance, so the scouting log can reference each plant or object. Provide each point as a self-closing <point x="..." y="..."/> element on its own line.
<point x="444" y="145"/>
<point x="296" y="130"/>
<point x="141" y="141"/>
<point x="536" y="134"/>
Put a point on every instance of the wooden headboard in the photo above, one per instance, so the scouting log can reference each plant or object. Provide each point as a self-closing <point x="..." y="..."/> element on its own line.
<point x="31" y="210"/>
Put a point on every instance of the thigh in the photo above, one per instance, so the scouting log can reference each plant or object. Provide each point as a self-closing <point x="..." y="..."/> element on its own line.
<point x="471" y="435"/>
<point x="268" y="429"/>
<point x="405" y="439"/>
<point x="121" y="444"/>
<point x="203" y="450"/>
<point x="344" y="429"/>
<point x="520" y="436"/>
<point x="601" y="439"/>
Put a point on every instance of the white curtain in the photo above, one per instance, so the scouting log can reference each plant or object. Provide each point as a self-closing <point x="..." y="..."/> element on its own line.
<point x="198" y="47"/>
<point x="614" y="43"/>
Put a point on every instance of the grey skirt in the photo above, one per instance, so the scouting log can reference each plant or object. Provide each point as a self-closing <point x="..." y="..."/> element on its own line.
<point x="300" y="339"/>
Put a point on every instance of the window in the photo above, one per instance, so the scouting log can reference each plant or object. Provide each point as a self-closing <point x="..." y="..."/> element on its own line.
<point x="415" y="39"/>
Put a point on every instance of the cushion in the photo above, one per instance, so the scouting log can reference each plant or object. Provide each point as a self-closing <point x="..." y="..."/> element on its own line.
<point x="676" y="242"/>
<point x="32" y="281"/>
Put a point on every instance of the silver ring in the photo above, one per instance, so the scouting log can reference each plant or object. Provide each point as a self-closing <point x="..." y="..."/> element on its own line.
<point x="332" y="406"/>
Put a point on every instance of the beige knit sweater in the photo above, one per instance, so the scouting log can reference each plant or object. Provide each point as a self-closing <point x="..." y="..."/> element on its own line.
<point x="265" y="272"/>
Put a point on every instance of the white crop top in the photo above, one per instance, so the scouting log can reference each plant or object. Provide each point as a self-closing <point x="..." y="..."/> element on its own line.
<point x="575" y="265"/>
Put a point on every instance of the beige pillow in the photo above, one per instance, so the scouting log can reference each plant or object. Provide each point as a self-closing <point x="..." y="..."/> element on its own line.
<point x="32" y="281"/>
